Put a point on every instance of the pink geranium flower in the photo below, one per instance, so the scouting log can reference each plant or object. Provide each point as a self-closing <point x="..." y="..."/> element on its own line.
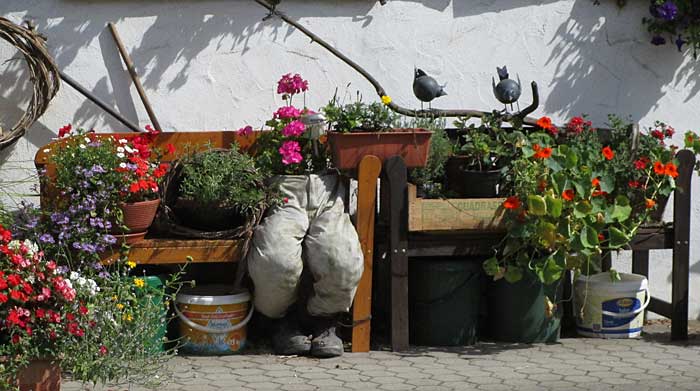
<point x="287" y="112"/>
<point x="290" y="152"/>
<point x="289" y="84"/>
<point x="293" y="129"/>
<point x="245" y="131"/>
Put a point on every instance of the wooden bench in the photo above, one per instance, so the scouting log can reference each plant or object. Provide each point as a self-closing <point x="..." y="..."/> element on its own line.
<point x="174" y="251"/>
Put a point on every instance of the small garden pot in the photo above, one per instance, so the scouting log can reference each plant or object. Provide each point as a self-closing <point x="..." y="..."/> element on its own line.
<point x="349" y="148"/>
<point x="40" y="375"/>
<point x="469" y="183"/>
<point x="138" y="216"/>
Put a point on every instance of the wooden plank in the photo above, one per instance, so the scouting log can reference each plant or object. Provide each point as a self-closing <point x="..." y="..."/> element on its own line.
<point x="367" y="174"/>
<point x="171" y="251"/>
<point x="681" y="246"/>
<point x="482" y="214"/>
<point x="661" y="307"/>
<point x="651" y="238"/>
<point x="398" y="239"/>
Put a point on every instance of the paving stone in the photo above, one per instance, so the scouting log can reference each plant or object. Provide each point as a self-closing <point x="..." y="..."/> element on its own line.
<point x="397" y="386"/>
<point x="316" y="375"/>
<point x="289" y="380"/>
<point x="493" y="387"/>
<point x="263" y="386"/>
<point x="361" y="385"/>
<point x="422" y="382"/>
<point x="297" y="387"/>
<point x="321" y="383"/>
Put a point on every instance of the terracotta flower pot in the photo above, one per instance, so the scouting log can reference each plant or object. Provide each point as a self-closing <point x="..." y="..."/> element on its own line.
<point x="411" y="144"/>
<point x="138" y="216"/>
<point x="40" y="375"/>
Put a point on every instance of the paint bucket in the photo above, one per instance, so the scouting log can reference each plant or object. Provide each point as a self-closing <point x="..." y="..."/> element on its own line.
<point x="213" y="319"/>
<point x="610" y="309"/>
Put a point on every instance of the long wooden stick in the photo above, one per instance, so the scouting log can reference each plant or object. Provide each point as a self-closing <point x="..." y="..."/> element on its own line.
<point x="134" y="76"/>
<point x="522" y="115"/>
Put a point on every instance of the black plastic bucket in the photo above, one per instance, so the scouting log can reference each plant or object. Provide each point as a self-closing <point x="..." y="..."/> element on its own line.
<point x="444" y="301"/>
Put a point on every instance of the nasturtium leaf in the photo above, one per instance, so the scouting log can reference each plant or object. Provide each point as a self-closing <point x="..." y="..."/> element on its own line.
<point x="571" y="159"/>
<point x="582" y="209"/>
<point x="553" y="164"/>
<point x="547" y="233"/>
<point x="554" y="206"/>
<point x="513" y="273"/>
<point x="589" y="237"/>
<point x="551" y="271"/>
<point x="621" y="210"/>
<point x="491" y="266"/>
<point x="617" y="238"/>
<point x="536" y="205"/>
<point x="607" y="184"/>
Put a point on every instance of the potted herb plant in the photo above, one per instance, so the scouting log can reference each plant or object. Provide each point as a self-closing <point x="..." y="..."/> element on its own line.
<point x="218" y="189"/>
<point x="481" y="161"/>
<point x="572" y="201"/>
<point x="358" y="129"/>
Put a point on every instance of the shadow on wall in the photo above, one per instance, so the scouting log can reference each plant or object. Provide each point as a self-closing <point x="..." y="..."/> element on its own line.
<point x="606" y="64"/>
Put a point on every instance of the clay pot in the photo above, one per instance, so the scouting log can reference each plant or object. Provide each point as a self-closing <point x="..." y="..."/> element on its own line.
<point x="349" y="148"/>
<point x="138" y="216"/>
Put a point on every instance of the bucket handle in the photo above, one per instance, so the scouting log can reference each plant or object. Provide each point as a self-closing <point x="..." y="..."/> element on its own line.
<point x="206" y="329"/>
<point x="629" y="314"/>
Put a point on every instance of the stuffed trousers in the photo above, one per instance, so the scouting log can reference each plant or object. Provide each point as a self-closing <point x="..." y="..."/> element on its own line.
<point x="309" y="229"/>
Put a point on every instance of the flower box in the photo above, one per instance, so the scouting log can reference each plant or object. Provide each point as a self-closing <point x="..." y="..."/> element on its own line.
<point x="484" y="214"/>
<point x="349" y="148"/>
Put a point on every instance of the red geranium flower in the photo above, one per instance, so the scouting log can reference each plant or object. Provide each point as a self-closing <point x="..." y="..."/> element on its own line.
<point x="64" y="130"/>
<point x="512" y="202"/>
<point x="608" y="153"/>
<point x="170" y="148"/>
<point x="3" y="298"/>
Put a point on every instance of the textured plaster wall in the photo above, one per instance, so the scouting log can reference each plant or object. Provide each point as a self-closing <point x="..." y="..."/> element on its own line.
<point x="214" y="64"/>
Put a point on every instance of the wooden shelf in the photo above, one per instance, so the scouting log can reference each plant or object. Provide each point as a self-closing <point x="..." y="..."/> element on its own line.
<point x="174" y="251"/>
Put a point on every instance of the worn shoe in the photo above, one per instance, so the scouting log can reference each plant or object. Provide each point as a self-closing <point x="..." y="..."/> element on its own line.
<point x="288" y="340"/>
<point x="325" y="343"/>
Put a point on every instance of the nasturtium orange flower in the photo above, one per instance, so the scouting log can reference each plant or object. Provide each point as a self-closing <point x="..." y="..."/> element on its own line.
<point x="649" y="203"/>
<point x="671" y="170"/>
<point x="608" y="153"/>
<point x="568" y="194"/>
<point x="598" y="193"/>
<point x="512" y="202"/>
<point x="536" y="147"/>
<point x="595" y="182"/>
<point x="601" y="237"/>
<point x="659" y="168"/>
<point x="544" y="153"/>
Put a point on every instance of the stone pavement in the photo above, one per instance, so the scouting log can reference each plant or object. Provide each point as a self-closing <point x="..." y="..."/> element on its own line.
<point x="650" y="363"/>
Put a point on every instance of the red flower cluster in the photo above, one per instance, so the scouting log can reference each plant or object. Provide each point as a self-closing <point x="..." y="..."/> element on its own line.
<point x="669" y="169"/>
<point x="546" y="124"/>
<point x="578" y="124"/>
<point x="35" y="301"/>
<point x="542" y="153"/>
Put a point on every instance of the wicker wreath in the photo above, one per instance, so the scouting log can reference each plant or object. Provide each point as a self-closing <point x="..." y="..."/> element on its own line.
<point x="42" y="70"/>
<point x="169" y="223"/>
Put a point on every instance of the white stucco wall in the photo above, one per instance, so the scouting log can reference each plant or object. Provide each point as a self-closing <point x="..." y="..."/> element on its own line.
<point x="213" y="65"/>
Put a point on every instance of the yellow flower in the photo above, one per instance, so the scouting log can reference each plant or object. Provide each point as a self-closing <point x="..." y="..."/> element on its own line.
<point x="386" y="99"/>
<point x="131" y="264"/>
<point x="120" y="306"/>
<point x="127" y="317"/>
<point x="139" y="282"/>
<point x="115" y="298"/>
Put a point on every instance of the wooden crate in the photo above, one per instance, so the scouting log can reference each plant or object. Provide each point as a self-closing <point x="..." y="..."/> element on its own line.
<point x="484" y="214"/>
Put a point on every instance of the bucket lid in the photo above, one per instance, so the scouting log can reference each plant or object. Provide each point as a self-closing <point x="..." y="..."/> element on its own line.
<point x="214" y="294"/>
<point x="602" y="281"/>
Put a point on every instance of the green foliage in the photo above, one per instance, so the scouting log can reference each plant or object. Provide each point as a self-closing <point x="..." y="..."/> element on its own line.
<point x="431" y="177"/>
<point x="488" y="146"/>
<point x="373" y="117"/>
<point x="579" y="193"/>
<point x="222" y="178"/>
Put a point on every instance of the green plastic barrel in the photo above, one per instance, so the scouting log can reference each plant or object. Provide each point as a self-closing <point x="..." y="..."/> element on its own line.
<point x="516" y="311"/>
<point x="444" y="298"/>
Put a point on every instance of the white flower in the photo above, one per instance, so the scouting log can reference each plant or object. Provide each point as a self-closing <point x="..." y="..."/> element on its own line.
<point x="122" y="141"/>
<point x="47" y="150"/>
<point x="69" y="284"/>
<point x="87" y="140"/>
<point x="82" y="146"/>
<point x="74" y="275"/>
<point x="128" y="149"/>
<point x="120" y="149"/>
<point x="81" y="281"/>
<point x="14" y="245"/>
<point x="30" y="279"/>
<point x="120" y="155"/>
<point x="122" y="165"/>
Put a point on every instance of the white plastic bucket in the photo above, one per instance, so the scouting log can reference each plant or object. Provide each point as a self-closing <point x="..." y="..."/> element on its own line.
<point x="213" y="319"/>
<point x="607" y="309"/>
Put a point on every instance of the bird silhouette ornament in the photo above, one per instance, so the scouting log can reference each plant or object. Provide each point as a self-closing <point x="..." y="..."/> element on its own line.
<point x="507" y="91"/>
<point x="426" y="88"/>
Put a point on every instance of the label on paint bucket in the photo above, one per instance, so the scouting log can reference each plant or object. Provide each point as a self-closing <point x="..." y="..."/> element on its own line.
<point x="620" y="306"/>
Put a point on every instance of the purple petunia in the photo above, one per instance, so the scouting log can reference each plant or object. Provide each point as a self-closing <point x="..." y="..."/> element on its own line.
<point x="46" y="238"/>
<point x="667" y="11"/>
<point x="658" y="40"/>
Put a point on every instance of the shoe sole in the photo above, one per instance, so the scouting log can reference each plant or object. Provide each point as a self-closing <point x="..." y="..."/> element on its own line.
<point x="326" y="352"/>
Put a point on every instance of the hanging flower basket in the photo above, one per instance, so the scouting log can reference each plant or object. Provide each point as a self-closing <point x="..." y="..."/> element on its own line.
<point x="349" y="148"/>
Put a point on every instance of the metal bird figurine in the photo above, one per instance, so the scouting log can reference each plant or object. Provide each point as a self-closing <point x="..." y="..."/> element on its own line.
<point x="507" y="91"/>
<point x="426" y="88"/>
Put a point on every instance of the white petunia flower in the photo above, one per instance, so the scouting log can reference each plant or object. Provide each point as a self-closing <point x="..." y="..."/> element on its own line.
<point x="120" y="155"/>
<point x="47" y="150"/>
<point x="120" y="149"/>
<point x="82" y="146"/>
<point x="74" y="275"/>
<point x="87" y="140"/>
<point x="129" y="149"/>
<point x="122" y="141"/>
<point x="122" y="165"/>
<point x="81" y="281"/>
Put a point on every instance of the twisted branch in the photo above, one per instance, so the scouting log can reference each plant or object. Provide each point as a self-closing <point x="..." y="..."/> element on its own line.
<point x="464" y="113"/>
